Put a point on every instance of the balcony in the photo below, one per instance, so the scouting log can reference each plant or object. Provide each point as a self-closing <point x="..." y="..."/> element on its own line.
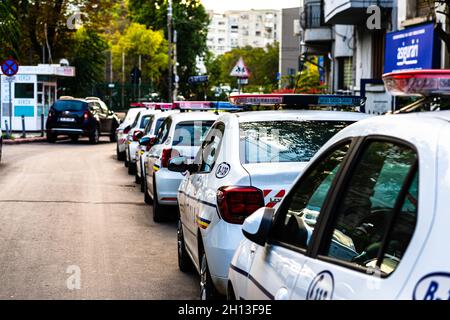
<point x="351" y="11"/>
<point x="313" y="23"/>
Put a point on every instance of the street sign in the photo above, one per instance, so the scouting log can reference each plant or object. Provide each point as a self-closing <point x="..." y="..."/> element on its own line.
<point x="242" y="81"/>
<point x="198" y="79"/>
<point x="10" y="67"/>
<point x="240" y="70"/>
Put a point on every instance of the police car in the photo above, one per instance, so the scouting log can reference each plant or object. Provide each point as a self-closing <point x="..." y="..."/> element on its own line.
<point x="146" y="142"/>
<point x="180" y="135"/>
<point x="134" y="135"/>
<point x="248" y="160"/>
<point x="367" y="219"/>
<point x="124" y="128"/>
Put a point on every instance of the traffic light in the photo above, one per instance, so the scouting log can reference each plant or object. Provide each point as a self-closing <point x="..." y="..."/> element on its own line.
<point x="135" y="75"/>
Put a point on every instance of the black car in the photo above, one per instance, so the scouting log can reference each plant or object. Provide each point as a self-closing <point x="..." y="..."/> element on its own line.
<point x="80" y="117"/>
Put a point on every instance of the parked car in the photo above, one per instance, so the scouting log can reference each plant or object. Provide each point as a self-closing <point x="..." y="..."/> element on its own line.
<point x="180" y="135"/>
<point x="381" y="203"/>
<point x="80" y="117"/>
<point x="134" y="135"/>
<point x="123" y="130"/>
<point x="1" y="144"/>
<point x="146" y="142"/>
<point x="248" y="160"/>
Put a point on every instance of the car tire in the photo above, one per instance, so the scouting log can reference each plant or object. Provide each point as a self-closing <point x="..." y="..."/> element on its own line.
<point x="51" y="138"/>
<point x="231" y="296"/>
<point x="207" y="289"/>
<point x="94" y="138"/>
<point x="126" y="163"/>
<point x="120" y="155"/>
<point x="184" y="261"/>
<point x="147" y="198"/>
<point x="136" y="177"/>
<point x="74" y="138"/>
<point x="157" y="207"/>
<point x="112" y="136"/>
<point x="131" y="168"/>
<point x="142" y="180"/>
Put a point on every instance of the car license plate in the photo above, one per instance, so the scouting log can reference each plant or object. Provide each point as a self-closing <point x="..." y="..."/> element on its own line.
<point x="67" y="119"/>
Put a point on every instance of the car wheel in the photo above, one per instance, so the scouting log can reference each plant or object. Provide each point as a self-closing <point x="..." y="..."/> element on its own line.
<point x="207" y="289"/>
<point x="142" y="180"/>
<point x="231" y="296"/>
<point x="157" y="208"/>
<point x="51" y="138"/>
<point x="184" y="261"/>
<point x="137" y="179"/>
<point x="131" y="168"/>
<point x="95" y="136"/>
<point x="147" y="198"/>
<point x="120" y="155"/>
<point x="74" y="138"/>
<point x="127" y="162"/>
<point x="113" y="137"/>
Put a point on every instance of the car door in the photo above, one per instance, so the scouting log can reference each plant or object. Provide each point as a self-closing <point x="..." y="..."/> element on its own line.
<point x="357" y="252"/>
<point x="276" y="266"/>
<point x="198" y="187"/>
<point x="106" y="118"/>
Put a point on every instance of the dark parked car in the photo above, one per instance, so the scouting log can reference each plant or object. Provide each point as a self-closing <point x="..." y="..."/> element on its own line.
<point x="88" y="117"/>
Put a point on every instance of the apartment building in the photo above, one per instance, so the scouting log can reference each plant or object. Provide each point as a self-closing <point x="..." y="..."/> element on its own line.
<point x="234" y="29"/>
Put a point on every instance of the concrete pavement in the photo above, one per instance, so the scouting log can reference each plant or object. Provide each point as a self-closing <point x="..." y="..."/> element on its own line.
<point x="69" y="216"/>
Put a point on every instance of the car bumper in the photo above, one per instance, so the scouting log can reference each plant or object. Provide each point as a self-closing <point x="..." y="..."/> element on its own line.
<point x="167" y="184"/>
<point x="132" y="147"/>
<point x="122" y="142"/>
<point x="220" y="243"/>
<point x="67" y="131"/>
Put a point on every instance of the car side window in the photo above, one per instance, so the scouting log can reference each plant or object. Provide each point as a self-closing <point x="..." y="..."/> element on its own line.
<point x="295" y="222"/>
<point x="103" y="107"/>
<point x="211" y="147"/>
<point x="384" y="180"/>
<point x="164" y="131"/>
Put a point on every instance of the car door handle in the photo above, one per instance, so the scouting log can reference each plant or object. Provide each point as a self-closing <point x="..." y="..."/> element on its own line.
<point x="253" y="248"/>
<point x="282" y="294"/>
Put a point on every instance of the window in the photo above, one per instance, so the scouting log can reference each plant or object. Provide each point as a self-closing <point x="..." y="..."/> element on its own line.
<point x="149" y="125"/>
<point x="378" y="43"/>
<point x="163" y="132"/>
<point x="158" y="124"/>
<point x="24" y="91"/>
<point x="285" y="141"/>
<point x="297" y="218"/>
<point x="190" y="134"/>
<point x="144" y="121"/>
<point x="345" y="73"/>
<point x="366" y="213"/>
<point x="211" y="147"/>
<point x="69" y="105"/>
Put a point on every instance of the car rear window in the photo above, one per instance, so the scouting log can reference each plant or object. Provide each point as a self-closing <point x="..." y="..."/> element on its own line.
<point x="285" y="141"/>
<point x="190" y="134"/>
<point x="70" y="105"/>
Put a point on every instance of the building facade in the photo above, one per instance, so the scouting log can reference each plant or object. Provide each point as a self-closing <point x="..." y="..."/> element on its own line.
<point x="234" y="29"/>
<point x="289" y="43"/>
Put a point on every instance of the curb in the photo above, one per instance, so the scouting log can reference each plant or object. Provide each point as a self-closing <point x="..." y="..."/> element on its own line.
<point x="24" y="141"/>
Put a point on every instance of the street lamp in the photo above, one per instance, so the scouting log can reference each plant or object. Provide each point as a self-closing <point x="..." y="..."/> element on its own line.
<point x="169" y="36"/>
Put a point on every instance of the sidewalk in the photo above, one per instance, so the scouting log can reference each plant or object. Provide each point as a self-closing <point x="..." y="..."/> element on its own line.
<point x="30" y="138"/>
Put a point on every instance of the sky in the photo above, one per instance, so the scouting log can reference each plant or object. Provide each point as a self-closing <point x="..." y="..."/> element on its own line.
<point x="223" y="5"/>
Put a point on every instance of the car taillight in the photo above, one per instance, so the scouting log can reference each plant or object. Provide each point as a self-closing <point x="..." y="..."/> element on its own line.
<point x="136" y="135"/>
<point x="166" y="155"/>
<point x="87" y="115"/>
<point x="237" y="203"/>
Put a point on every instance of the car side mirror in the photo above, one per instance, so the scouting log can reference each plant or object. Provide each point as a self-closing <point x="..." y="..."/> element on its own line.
<point x="178" y="164"/>
<point x="144" y="141"/>
<point x="139" y="135"/>
<point x="257" y="226"/>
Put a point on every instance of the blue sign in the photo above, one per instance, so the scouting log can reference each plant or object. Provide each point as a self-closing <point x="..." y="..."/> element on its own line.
<point x="10" y="67"/>
<point x="411" y="49"/>
<point x="198" y="79"/>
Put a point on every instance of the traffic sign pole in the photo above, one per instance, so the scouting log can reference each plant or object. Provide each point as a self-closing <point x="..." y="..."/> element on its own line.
<point x="10" y="108"/>
<point x="10" y="67"/>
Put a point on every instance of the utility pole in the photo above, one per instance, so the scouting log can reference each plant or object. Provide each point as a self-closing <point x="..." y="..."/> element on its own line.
<point x="140" y="77"/>
<point x="123" y="80"/>
<point x="111" y="78"/>
<point x="175" y="66"/>
<point x="169" y="36"/>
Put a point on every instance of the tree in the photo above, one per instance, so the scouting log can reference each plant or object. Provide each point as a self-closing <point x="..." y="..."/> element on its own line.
<point x="87" y="56"/>
<point x="191" y="23"/>
<point x="9" y="30"/>
<point x="261" y="62"/>
<point x="137" y="40"/>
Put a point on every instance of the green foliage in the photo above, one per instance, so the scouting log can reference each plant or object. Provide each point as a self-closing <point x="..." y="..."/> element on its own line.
<point x="191" y="22"/>
<point x="87" y="56"/>
<point x="137" y="40"/>
<point x="9" y="30"/>
<point x="262" y="64"/>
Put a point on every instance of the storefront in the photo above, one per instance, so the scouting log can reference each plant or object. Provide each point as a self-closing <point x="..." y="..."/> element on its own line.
<point x="33" y="90"/>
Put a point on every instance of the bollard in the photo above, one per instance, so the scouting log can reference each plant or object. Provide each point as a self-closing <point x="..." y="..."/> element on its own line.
<point x="42" y="124"/>
<point x="8" y="134"/>
<point x="23" y="127"/>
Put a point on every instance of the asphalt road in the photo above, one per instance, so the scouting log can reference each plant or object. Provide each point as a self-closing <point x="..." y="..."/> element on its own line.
<point x="74" y="226"/>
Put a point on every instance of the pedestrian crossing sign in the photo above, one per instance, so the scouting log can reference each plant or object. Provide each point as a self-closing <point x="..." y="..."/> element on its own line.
<point x="240" y="70"/>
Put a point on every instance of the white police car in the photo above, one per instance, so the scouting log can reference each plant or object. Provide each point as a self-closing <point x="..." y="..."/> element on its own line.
<point x="368" y="217"/>
<point x="248" y="160"/>
<point x="180" y="135"/>
<point x="134" y="135"/>
<point x="146" y="142"/>
<point x="123" y="130"/>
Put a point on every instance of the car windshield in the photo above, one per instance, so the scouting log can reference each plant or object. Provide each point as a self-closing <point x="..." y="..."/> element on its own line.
<point x="190" y="134"/>
<point x="70" y="105"/>
<point x="285" y="141"/>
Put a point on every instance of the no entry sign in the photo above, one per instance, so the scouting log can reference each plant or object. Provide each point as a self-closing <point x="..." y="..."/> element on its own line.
<point x="10" y="67"/>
